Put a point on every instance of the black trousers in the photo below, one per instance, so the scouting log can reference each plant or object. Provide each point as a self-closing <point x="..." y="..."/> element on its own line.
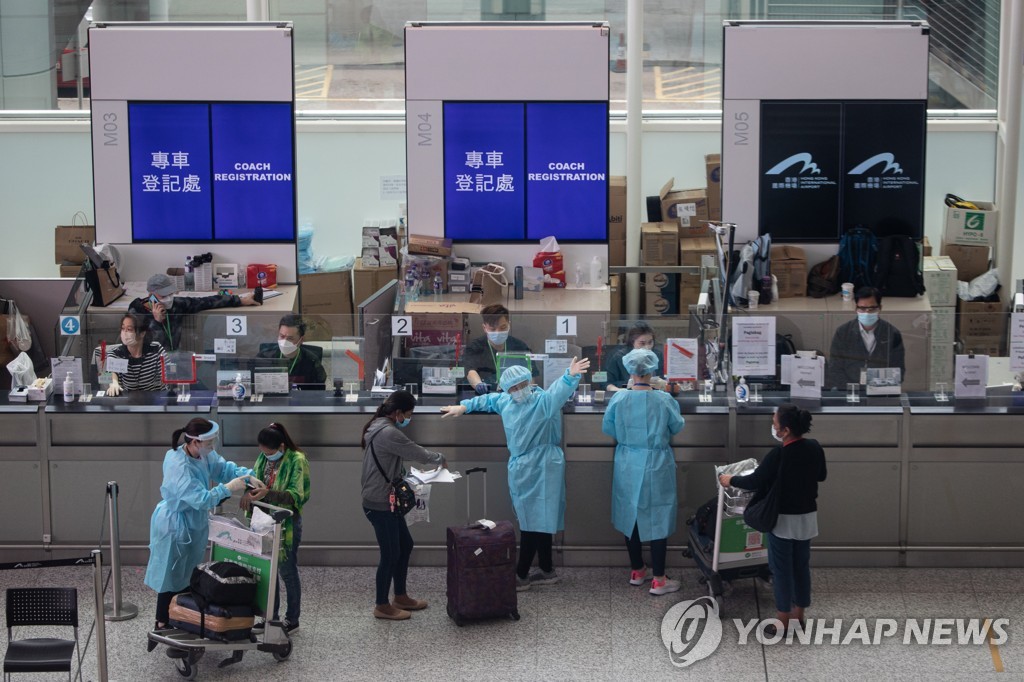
<point x="532" y="543"/>
<point x="659" y="548"/>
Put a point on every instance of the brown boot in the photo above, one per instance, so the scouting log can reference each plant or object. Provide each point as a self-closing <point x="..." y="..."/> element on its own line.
<point x="389" y="612"/>
<point x="404" y="601"/>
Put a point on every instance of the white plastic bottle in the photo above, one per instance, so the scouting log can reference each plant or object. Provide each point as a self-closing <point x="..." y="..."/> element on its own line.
<point x="742" y="392"/>
<point x="69" y="389"/>
<point x="597" y="278"/>
<point x="238" y="390"/>
<point x="579" y="276"/>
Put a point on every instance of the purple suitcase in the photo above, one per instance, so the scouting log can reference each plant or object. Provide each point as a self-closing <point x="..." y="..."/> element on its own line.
<point x="481" y="568"/>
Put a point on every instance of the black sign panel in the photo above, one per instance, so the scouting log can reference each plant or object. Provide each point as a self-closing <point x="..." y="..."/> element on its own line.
<point x="883" y="158"/>
<point x="801" y="154"/>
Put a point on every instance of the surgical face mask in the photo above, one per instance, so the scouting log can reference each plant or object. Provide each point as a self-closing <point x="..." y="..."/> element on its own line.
<point x="286" y="346"/>
<point x="775" y="434"/>
<point x="498" y="338"/>
<point x="523" y="396"/>
<point x="867" y="319"/>
<point x="128" y="338"/>
<point x="274" y="457"/>
<point x="405" y="422"/>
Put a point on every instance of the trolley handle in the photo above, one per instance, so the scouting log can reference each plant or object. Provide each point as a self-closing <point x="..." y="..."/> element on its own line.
<point x="279" y="514"/>
<point x="474" y="470"/>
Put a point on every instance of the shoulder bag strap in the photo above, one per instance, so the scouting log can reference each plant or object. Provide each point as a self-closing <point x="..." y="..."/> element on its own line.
<point x="377" y="461"/>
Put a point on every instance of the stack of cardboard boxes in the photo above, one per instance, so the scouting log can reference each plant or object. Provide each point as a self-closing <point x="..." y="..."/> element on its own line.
<point x="967" y="240"/>
<point x="940" y="286"/>
<point x="659" y="245"/>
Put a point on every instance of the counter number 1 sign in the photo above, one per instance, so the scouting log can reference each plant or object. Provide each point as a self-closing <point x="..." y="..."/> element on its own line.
<point x="565" y="325"/>
<point x="70" y="325"/>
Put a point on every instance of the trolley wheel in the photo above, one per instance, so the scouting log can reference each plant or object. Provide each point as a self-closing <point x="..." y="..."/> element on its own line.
<point x="284" y="653"/>
<point x="187" y="668"/>
<point x="514" y="615"/>
<point x="688" y="553"/>
<point x="721" y="606"/>
<point x="717" y="588"/>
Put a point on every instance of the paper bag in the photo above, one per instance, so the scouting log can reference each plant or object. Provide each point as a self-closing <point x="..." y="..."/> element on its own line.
<point x="104" y="283"/>
<point x="550" y="260"/>
<point x="490" y="285"/>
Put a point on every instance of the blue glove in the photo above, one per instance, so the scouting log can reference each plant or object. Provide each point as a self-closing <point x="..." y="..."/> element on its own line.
<point x="482" y="388"/>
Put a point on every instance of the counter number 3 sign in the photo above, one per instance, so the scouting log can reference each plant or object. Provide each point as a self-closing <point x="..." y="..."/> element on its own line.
<point x="70" y="325"/>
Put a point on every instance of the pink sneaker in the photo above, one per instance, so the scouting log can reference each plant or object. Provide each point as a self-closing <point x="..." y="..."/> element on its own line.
<point x="639" y="577"/>
<point x="659" y="587"/>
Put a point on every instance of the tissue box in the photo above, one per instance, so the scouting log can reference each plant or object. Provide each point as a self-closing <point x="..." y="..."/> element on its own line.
<point x="232" y="534"/>
<point x="41" y="389"/>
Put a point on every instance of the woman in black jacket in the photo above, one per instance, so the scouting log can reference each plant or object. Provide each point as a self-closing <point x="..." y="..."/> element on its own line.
<point x="384" y="443"/>
<point x="800" y="464"/>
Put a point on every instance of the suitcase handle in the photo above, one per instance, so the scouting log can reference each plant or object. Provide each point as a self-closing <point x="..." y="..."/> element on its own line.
<point x="473" y="471"/>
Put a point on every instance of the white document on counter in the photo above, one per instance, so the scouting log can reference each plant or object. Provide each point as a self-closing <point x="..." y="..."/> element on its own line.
<point x="970" y="376"/>
<point x="438" y="475"/>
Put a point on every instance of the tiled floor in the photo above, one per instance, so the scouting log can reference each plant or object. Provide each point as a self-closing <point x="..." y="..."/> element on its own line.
<point x="591" y="626"/>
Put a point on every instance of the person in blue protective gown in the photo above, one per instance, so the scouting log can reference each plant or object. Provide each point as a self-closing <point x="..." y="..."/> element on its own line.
<point x="644" y="501"/>
<point x="180" y="524"/>
<point x="532" y="418"/>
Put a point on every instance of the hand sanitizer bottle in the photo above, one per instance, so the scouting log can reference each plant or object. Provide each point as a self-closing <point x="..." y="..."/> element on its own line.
<point x="238" y="390"/>
<point x="596" y="272"/>
<point x="69" y="389"/>
<point x="742" y="392"/>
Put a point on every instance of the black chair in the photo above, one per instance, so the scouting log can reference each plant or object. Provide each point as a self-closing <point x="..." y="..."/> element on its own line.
<point x="41" y="606"/>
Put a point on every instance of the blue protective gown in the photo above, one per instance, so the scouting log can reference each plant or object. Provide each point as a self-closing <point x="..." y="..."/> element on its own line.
<point x="644" y="478"/>
<point x="536" y="466"/>
<point x="180" y="525"/>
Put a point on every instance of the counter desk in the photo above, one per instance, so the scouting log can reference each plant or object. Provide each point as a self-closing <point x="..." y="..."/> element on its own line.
<point x="911" y="481"/>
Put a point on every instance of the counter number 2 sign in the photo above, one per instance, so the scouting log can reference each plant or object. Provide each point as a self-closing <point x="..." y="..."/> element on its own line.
<point x="565" y="325"/>
<point x="401" y="325"/>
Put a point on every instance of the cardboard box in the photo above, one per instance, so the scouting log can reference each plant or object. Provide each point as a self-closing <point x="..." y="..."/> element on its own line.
<point x="789" y="265"/>
<point x="692" y="252"/>
<point x="661" y="293"/>
<point x="926" y="247"/>
<point x="617" y="295"/>
<point x="993" y="346"/>
<point x="429" y="246"/>
<point x="617" y="207"/>
<point x="686" y="207"/>
<point x="980" y="319"/>
<point x="970" y="261"/>
<point x="659" y="243"/>
<point x="972" y="227"/>
<point x="70" y="270"/>
<point x="67" y="242"/>
<point x="617" y="252"/>
<point x="943" y="326"/>
<point x="230" y="533"/>
<point x="940" y="281"/>
<point x="368" y="281"/>
<point x="458" y="276"/>
<point x="713" y="173"/>
<point x="435" y="329"/>
<point x="326" y="293"/>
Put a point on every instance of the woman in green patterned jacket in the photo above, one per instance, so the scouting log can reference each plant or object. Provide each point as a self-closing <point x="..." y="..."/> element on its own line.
<point x="285" y="471"/>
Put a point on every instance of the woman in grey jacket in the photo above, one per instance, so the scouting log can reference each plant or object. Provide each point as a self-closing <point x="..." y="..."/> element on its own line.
<point x="382" y="436"/>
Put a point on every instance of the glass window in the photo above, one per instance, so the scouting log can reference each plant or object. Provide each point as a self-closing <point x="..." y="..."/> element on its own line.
<point x="349" y="53"/>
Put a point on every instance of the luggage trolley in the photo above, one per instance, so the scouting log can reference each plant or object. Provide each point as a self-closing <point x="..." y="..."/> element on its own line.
<point x="736" y="551"/>
<point x="187" y="648"/>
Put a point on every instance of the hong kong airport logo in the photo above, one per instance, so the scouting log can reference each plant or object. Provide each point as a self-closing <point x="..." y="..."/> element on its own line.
<point x="691" y="631"/>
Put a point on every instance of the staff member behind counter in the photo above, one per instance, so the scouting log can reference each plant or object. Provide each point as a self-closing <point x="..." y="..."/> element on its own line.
<point x="864" y="342"/>
<point x="143" y="356"/>
<point x="163" y="312"/>
<point x="482" y="353"/>
<point x="304" y="365"/>
<point x="640" y="335"/>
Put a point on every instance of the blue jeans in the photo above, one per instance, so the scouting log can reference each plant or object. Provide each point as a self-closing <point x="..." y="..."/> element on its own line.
<point x="790" y="561"/>
<point x="395" y="544"/>
<point x="288" y="573"/>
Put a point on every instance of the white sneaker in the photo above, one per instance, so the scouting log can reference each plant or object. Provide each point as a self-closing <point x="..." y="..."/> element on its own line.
<point x="641" y="576"/>
<point x="540" y="577"/>
<point x="665" y="586"/>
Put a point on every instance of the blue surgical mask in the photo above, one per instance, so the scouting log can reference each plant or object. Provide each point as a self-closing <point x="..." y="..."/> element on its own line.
<point x="867" y="319"/>
<point x="405" y="422"/>
<point x="274" y="457"/>
<point x="498" y="338"/>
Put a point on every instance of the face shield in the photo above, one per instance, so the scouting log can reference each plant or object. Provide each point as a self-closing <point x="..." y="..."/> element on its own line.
<point x="207" y="442"/>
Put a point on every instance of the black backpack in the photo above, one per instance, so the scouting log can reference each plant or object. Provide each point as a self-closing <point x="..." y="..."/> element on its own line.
<point x="857" y="251"/>
<point x="224" y="583"/>
<point x="898" y="268"/>
<point x="823" y="279"/>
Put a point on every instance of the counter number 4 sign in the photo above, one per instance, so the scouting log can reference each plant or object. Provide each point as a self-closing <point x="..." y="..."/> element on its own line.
<point x="70" y="325"/>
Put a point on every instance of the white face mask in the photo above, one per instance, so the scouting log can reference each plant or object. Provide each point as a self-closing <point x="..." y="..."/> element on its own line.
<point x="775" y="434"/>
<point x="523" y="396"/>
<point x="128" y="338"/>
<point x="286" y="346"/>
<point x="498" y="338"/>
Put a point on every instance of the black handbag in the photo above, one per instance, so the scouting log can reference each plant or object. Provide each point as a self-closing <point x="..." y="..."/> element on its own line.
<point x="763" y="513"/>
<point x="402" y="497"/>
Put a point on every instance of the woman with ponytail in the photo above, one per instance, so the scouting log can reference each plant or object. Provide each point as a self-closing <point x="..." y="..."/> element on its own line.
<point x="799" y="465"/>
<point x="284" y="469"/>
<point x="385" y="445"/>
<point x="180" y="523"/>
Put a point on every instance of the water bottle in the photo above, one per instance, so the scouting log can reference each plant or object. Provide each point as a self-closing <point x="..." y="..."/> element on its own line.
<point x="596" y="272"/>
<point x="437" y="285"/>
<point x="519" y="282"/>
<point x="190" y="276"/>
<point x="742" y="393"/>
<point x="69" y="389"/>
<point x="410" y="284"/>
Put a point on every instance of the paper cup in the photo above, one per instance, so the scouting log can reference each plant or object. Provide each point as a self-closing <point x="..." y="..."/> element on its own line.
<point x="753" y="297"/>
<point x="847" y="291"/>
